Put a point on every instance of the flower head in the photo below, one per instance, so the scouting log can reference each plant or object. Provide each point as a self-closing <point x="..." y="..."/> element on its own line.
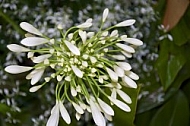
<point x="84" y="64"/>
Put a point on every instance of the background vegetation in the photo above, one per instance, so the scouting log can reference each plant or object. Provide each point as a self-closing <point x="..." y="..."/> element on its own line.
<point x="163" y="62"/>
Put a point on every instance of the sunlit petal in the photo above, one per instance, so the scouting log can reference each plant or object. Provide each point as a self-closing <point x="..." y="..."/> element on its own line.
<point x="30" y="28"/>
<point x="15" y="69"/>
<point x="17" y="48"/>
<point x="33" y="41"/>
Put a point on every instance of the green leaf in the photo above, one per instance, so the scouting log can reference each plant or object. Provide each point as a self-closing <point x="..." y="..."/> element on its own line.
<point x="175" y="112"/>
<point x="4" y="108"/>
<point x="127" y="119"/>
<point x="170" y="61"/>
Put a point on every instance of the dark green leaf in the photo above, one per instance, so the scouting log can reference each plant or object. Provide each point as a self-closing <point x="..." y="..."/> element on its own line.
<point x="127" y="119"/>
<point x="4" y="108"/>
<point x="169" y="63"/>
<point x="175" y="112"/>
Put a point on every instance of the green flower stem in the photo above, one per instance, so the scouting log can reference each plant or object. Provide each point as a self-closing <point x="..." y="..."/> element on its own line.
<point x="56" y="91"/>
<point x="84" y="89"/>
<point x="65" y="92"/>
<point x="92" y="89"/>
<point x="61" y="85"/>
<point x="112" y="43"/>
<point x="108" y="62"/>
<point x="97" y="85"/>
<point x="64" y="36"/>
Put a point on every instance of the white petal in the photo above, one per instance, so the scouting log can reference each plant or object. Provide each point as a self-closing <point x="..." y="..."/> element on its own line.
<point x="33" y="41"/>
<point x="64" y="113"/>
<point x="30" y="54"/>
<point x="132" y="75"/>
<point x="112" y="74"/>
<point x="127" y="54"/>
<point x="78" y="108"/>
<point x="41" y="58"/>
<point x="59" y="78"/>
<point x="29" y="28"/>
<point x="125" y="66"/>
<point x="93" y="59"/>
<point x="119" y="71"/>
<point x="90" y="34"/>
<point x="17" y="48"/>
<point x="118" y="57"/>
<point x="105" y="107"/>
<point x="114" y="93"/>
<point x="125" y="47"/>
<point x="89" y="20"/>
<point x="97" y="115"/>
<point x="129" y="82"/>
<point x="124" y="96"/>
<point x="84" y="25"/>
<point x="133" y="41"/>
<point x="72" y="48"/>
<point x="78" y="116"/>
<point x="83" y="35"/>
<point x="73" y="91"/>
<point x="125" y="23"/>
<point x="114" y="33"/>
<point x="105" y="14"/>
<point x="54" y="118"/>
<point x="105" y="33"/>
<point x="15" y="69"/>
<point x="77" y="71"/>
<point x="108" y="117"/>
<point x="36" y="77"/>
<point x="120" y="104"/>
<point x="35" y="88"/>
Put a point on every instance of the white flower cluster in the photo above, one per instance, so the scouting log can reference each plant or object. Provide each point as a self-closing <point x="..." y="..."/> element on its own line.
<point x="84" y="64"/>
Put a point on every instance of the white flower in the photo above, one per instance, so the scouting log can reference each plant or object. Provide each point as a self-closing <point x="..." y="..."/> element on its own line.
<point x="96" y="114"/>
<point x="105" y="107"/>
<point x="118" y="57"/>
<point x="54" y="117"/>
<point x="119" y="71"/>
<point x="125" y="23"/>
<point x="125" y="66"/>
<point x="29" y="28"/>
<point x="133" y="41"/>
<point x="15" y="69"/>
<point x="125" y="47"/>
<point x="84" y="25"/>
<point x="124" y="96"/>
<point x="77" y="71"/>
<point x="129" y="55"/>
<point x="129" y="82"/>
<point x="72" y="48"/>
<point x="132" y="75"/>
<point x="78" y="116"/>
<point x="112" y="74"/>
<point x="120" y="104"/>
<point x="17" y="48"/>
<point x="34" y="41"/>
<point x="35" y="88"/>
<point x="35" y="75"/>
<point x="64" y="113"/>
<point x="89" y="20"/>
<point x="105" y="14"/>
<point x="78" y="108"/>
<point x="114" y="33"/>
<point x="73" y="91"/>
<point x="83" y="35"/>
<point x="41" y="58"/>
